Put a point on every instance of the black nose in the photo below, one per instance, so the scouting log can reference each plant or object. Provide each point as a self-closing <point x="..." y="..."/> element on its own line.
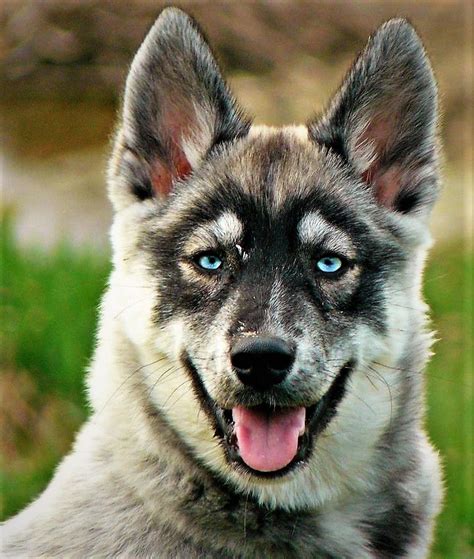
<point x="262" y="361"/>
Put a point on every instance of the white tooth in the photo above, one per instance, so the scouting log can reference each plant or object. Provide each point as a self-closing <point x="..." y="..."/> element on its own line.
<point x="303" y="427"/>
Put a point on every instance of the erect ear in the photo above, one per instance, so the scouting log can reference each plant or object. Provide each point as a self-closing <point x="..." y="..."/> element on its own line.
<point x="383" y="119"/>
<point x="176" y="107"/>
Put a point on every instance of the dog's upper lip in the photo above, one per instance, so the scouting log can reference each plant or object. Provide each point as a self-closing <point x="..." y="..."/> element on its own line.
<point x="318" y="416"/>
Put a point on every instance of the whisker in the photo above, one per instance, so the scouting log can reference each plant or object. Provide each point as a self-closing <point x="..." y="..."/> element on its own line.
<point x="125" y="380"/>
<point x="187" y="380"/>
<point x="130" y="306"/>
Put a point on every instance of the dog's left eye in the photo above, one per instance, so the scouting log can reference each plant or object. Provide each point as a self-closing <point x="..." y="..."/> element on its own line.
<point x="209" y="262"/>
<point x="329" y="264"/>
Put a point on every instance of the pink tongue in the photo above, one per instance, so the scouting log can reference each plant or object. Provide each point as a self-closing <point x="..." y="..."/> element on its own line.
<point x="268" y="441"/>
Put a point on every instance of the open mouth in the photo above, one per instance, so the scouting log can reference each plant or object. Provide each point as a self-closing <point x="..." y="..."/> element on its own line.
<point x="271" y="441"/>
<point x="266" y="440"/>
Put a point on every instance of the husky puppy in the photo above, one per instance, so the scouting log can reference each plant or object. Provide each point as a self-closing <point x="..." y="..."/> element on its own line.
<point x="257" y="386"/>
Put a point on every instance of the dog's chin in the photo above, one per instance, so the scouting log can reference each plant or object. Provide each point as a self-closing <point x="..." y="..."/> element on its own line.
<point x="270" y="441"/>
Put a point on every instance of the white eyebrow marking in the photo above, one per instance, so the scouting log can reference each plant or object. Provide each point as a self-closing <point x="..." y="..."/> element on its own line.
<point x="227" y="228"/>
<point x="314" y="229"/>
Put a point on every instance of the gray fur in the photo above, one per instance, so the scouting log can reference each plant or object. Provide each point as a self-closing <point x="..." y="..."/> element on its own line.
<point x="151" y="473"/>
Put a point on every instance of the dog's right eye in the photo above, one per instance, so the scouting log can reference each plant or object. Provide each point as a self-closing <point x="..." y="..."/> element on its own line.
<point x="209" y="262"/>
<point x="329" y="264"/>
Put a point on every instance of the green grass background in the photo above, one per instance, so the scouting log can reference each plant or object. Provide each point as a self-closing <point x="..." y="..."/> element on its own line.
<point x="49" y="310"/>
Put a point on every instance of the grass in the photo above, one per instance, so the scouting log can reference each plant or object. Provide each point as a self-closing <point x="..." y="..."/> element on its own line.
<point x="448" y="289"/>
<point x="49" y="309"/>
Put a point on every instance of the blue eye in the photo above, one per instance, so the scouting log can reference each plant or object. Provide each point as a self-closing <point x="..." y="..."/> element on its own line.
<point x="209" y="262"/>
<point x="329" y="264"/>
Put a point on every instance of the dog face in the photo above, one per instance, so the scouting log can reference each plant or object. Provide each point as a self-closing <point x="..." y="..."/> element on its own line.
<point x="269" y="279"/>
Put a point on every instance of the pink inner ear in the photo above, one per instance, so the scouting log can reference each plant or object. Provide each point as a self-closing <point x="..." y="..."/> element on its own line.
<point x="163" y="176"/>
<point x="176" y="122"/>
<point x="386" y="183"/>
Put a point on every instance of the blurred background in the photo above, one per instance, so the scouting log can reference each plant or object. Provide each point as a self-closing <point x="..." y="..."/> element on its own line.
<point x="62" y="69"/>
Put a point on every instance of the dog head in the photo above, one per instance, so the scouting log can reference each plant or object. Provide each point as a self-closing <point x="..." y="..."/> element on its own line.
<point x="267" y="278"/>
